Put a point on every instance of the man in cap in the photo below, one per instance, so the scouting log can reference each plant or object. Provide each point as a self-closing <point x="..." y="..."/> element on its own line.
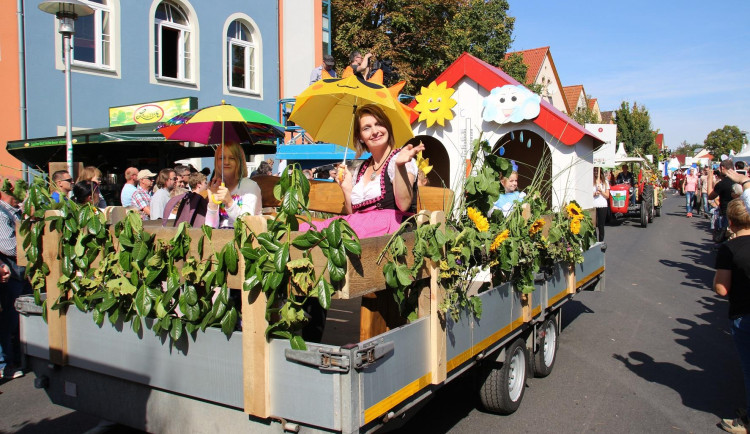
<point x="328" y="64"/>
<point x="142" y="195"/>
<point x="131" y="178"/>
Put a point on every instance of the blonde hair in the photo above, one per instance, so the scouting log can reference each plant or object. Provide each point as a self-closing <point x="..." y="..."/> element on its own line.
<point x="379" y="115"/>
<point x="236" y="151"/>
<point x="195" y="179"/>
<point x="737" y="214"/>
<point x="88" y="173"/>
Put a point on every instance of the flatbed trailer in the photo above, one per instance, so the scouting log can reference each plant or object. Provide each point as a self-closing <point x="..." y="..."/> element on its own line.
<point x="245" y="382"/>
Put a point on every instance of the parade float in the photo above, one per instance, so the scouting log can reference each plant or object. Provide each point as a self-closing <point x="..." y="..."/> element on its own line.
<point x="179" y="329"/>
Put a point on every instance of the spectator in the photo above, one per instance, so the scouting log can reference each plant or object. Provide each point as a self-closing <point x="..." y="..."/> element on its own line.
<point x="704" y="192"/>
<point x="142" y="195"/>
<point x="131" y="178"/>
<point x="689" y="185"/>
<point x="625" y="177"/>
<point x="198" y="183"/>
<point x="12" y="285"/>
<point x="328" y="65"/>
<point x="264" y="168"/>
<point x="92" y="173"/>
<point x="233" y="193"/>
<point x="601" y="200"/>
<point x="183" y="175"/>
<point x="732" y="278"/>
<point x="723" y="190"/>
<point x="165" y="183"/>
<point x="360" y="65"/>
<point x="308" y="174"/>
<point x="63" y="184"/>
<point x="86" y="192"/>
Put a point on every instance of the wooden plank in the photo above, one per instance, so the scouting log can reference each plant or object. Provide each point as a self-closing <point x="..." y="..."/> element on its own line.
<point x="424" y="303"/>
<point x="56" y="319"/>
<point x="434" y="199"/>
<point x="255" y="347"/>
<point x="570" y="278"/>
<point x="438" y="335"/>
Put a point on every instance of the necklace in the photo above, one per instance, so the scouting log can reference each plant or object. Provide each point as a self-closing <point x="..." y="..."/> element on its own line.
<point x="375" y="169"/>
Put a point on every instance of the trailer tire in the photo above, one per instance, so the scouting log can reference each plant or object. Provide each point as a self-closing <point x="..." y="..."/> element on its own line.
<point x="546" y="354"/>
<point x="644" y="215"/>
<point x="502" y="388"/>
<point x="657" y="211"/>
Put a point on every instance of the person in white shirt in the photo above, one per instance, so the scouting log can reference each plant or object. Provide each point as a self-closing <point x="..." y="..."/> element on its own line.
<point x="166" y="181"/>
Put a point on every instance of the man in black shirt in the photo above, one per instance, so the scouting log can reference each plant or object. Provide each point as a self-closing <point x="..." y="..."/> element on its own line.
<point x="626" y="177"/>
<point x="722" y="189"/>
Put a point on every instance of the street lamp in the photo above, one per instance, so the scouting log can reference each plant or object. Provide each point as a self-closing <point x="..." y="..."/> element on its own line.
<point x="67" y="11"/>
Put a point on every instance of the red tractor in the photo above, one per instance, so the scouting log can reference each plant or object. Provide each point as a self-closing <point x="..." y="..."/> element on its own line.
<point x="626" y="201"/>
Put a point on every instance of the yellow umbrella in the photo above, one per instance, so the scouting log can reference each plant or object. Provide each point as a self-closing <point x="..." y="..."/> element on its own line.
<point x="326" y="109"/>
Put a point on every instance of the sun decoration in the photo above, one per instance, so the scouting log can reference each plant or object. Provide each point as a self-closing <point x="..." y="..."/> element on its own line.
<point x="479" y="220"/>
<point x="536" y="226"/>
<point x="434" y="104"/>
<point x="502" y="236"/>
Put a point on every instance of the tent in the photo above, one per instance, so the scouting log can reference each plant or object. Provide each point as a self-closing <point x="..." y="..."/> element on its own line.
<point x="743" y="155"/>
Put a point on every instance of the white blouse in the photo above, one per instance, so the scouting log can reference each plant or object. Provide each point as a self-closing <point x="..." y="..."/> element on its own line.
<point x="362" y="192"/>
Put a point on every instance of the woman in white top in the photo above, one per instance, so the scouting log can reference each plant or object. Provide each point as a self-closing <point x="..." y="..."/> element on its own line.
<point x="601" y="200"/>
<point x="383" y="191"/>
<point x="237" y="195"/>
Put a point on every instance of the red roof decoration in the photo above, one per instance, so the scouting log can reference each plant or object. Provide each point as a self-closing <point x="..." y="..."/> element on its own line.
<point x="572" y="94"/>
<point x="533" y="59"/>
<point x="660" y="141"/>
<point x="489" y="77"/>
<point x="592" y="103"/>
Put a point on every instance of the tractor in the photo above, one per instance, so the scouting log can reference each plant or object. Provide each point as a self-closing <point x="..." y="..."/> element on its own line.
<point x="636" y="201"/>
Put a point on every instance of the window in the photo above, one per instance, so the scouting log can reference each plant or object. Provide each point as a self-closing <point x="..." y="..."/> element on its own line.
<point x="326" y="27"/>
<point x="173" y="43"/>
<point x="92" y="41"/>
<point x="242" y="63"/>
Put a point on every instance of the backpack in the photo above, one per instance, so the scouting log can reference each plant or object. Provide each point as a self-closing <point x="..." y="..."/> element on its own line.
<point x="191" y="208"/>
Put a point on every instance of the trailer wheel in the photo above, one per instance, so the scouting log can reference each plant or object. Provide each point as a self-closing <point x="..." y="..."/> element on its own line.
<point x="644" y="215"/>
<point x="502" y="388"/>
<point x="657" y="211"/>
<point x="544" y="359"/>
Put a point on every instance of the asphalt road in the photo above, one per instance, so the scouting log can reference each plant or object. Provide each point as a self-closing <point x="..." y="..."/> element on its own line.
<point x="651" y="353"/>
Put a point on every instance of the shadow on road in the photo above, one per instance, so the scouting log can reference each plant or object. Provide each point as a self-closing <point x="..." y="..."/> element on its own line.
<point x="715" y="384"/>
<point x="572" y="310"/>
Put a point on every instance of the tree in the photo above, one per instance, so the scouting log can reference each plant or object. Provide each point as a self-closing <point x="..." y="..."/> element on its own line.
<point x="724" y="140"/>
<point x="422" y="38"/>
<point x="688" y="149"/>
<point x="585" y="116"/>
<point x="634" y="128"/>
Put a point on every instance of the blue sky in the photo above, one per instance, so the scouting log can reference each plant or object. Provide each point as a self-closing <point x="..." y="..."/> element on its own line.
<point x="688" y="62"/>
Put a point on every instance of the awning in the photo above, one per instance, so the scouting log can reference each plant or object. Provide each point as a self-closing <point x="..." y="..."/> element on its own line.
<point x="324" y="152"/>
<point x="115" y="147"/>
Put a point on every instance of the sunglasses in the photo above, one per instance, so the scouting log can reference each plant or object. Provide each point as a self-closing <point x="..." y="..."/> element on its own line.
<point x="175" y="178"/>
<point x="67" y="180"/>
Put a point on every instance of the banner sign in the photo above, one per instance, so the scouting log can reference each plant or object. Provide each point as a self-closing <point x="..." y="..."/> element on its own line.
<point x="604" y="156"/>
<point x="150" y="112"/>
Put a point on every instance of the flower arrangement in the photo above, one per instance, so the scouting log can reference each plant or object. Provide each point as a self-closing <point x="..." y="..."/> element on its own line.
<point x="571" y="234"/>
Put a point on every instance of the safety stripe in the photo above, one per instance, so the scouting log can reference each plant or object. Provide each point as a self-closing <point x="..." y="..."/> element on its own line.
<point x="481" y="345"/>
<point x="586" y="279"/>
<point x="397" y="397"/>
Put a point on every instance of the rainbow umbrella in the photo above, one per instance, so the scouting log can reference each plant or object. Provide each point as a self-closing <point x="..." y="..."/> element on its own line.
<point x="220" y="124"/>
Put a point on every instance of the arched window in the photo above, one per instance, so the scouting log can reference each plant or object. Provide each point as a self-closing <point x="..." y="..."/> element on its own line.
<point x="93" y="39"/>
<point x="173" y="43"/>
<point x="242" y="58"/>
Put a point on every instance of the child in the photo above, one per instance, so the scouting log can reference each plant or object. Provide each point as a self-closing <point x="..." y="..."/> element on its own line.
<point x="506" y="200"/>
<point x="197" y="182"/>
<point x="733" y="278"/>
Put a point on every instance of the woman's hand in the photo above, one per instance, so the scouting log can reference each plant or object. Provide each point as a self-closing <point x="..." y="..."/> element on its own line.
<point x="344" y="179"/>
<point x="408" y="153"/>
<point x="218" y="193"/>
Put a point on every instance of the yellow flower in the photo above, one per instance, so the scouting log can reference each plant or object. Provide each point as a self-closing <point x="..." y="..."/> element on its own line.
<point x="499" y="240"/>
<point x="536" y="226"/>
<point x="479" y="220"/>
<point x="423" y="164"/>
<point x="444" y="265"/>
<point x="575" y="226"/>
<point x="574" y="210"/>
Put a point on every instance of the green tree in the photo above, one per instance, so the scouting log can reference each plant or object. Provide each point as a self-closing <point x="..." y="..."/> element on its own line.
<point x="688" y="149"/>
<point x="422" y="38"/>
<point x="634" y="128"/>
<point x="586" y="116"/>
<point x="724" y="140"/>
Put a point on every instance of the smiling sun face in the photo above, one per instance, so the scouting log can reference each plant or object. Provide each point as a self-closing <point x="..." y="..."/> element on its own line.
<point x="434" y="104"/>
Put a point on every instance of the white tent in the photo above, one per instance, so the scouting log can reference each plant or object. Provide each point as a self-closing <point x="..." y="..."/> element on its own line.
<point x="743" y="155"/>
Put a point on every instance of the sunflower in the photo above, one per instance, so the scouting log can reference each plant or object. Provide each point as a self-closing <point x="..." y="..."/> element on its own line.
<point x="575" y="226"/>
<point x="536" y="226"/>
<point x="502" y="236"/>
<point x="574" y="211"/>
<point x="479" y="220"/>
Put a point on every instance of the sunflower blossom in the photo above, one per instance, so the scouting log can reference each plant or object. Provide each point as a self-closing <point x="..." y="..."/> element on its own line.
<point x="536" y="226"/>
<point x="479" y="220"/>
<point x="575" y="226"/>
<point x="502" y="236"/>
<point x="574" y="211"/>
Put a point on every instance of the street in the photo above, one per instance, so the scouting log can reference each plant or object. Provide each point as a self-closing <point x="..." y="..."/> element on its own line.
<point x="651" y="353"/>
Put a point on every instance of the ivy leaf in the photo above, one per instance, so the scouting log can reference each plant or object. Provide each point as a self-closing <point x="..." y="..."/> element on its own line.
<point x="325" y="290"/>
<point x="302" y="242"/>
<point x="337" y="273"/>
<point x="79" y="303"/>
<point x="251" y="282"/>
<point x="231" y="260"/>
<point x="136" y="325"/>
<point x="191" y="313"/>
<point x="335" y="232"/>
<point x="98" y="317"/>
<point x="175" y="331"/>
<point x="281" y="258"/>
<point x="353" y="247"/>
<point x="140" y="251"/>
<point x="160" y="311"/>
<point x="108" y="301"/>
<point x="297" y="343"/>
<point x="114" y="316"/>
<point x="190" y="294"/>
<point x="389" y="272"/>
<point x="404" y="275"/>
<point x="229" y="321"/>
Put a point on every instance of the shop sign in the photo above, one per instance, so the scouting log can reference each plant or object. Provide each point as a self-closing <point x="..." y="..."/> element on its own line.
<point x="151" y="112"/>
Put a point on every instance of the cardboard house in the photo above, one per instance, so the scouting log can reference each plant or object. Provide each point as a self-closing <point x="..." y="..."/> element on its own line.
<point x="548" y="138"/>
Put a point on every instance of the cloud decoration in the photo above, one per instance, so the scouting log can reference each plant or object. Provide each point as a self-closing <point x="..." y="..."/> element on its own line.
<point x="510" y="104"/>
